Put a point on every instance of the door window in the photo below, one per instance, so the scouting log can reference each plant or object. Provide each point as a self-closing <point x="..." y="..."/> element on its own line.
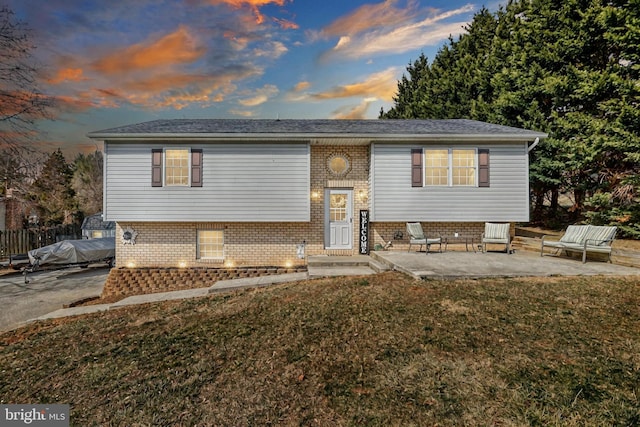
<point x="338" y="207"/>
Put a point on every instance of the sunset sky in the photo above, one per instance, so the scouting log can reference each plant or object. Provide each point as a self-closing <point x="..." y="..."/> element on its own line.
<point x="112" y="63"/>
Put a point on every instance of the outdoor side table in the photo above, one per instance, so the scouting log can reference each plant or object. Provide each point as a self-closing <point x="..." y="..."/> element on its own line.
<point x="467" y="240"/>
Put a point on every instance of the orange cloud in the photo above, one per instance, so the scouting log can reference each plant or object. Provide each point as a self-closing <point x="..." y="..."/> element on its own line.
<point x="178" y="91"/>
<point x="381" y="85"/>
<point x="383" y="29"/>
<point x="371" y="16"/>
<point x="253" y="5"/>
<point x="285" y="24"/>
<point x="85" y="101"/>
<point x="178" y="47"/>
<point x="261" y="96"/>
<point x="67" y="74"/>
<point x="21" y="104"/>
<point x="354" y="113"/>
<point x="72" y="104"/>
<point x="300" y="86"/>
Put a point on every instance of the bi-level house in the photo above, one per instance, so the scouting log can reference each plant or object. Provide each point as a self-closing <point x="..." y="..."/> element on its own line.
<point x="271" y="192"/>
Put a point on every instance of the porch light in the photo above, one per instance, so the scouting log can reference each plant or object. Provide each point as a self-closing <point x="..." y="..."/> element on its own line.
<point x="229" y="264"/>
<point x="131" y="264"/>
<point x="182" y="264"/>
<point x="288" y="264"/>
<point x="363" y="196"/>
<point x="315" y="195"/>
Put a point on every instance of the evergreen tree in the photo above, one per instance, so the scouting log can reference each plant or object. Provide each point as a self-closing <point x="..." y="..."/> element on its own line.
<point x="52" y="191"/>
<point x="87" y="182"/>
<point x="569" y="68"/>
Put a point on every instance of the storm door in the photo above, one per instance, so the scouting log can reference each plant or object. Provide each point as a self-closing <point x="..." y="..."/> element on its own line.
<point x="338" y="219"/>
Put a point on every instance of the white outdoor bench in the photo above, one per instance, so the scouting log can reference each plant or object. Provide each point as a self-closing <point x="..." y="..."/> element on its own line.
<point x="583" y="238"/>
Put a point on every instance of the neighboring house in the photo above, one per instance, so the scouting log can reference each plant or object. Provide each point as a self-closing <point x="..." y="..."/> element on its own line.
<point x="17" y="211"/>
<point x="94" y="227"/>
<point x="269" y="192"/>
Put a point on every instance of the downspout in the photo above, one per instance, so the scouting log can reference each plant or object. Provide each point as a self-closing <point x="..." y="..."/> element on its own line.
<point x="532" y="146"/>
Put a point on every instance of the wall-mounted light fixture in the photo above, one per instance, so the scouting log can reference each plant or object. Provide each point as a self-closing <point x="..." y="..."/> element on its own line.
<point x="363" y="196"/>
<point x="288" y="264"/>
<point x="131" y="264"/>
<point x="315" y="195"/>
<point x="229" y="264"/>
<point x="182" y="264"/>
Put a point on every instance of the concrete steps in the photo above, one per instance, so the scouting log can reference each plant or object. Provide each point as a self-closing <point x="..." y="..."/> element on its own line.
<point x="327" y="266"/>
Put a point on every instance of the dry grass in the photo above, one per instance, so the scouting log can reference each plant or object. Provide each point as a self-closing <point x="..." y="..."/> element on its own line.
<point x="376" y="351"/>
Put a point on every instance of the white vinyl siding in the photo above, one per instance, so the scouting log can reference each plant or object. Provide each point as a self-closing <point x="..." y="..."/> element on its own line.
<point x="394" y="199"/>
<point x="243" y="182"/>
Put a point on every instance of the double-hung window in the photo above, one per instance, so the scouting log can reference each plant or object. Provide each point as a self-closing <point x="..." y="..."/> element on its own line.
<point x="463" y="167"/>
<point x="175" y="167"/>
<point x="210" y="244"/>
<point x="450" y="167"/>
<point x="176" y="170"/>
<point x="436" y="167"/>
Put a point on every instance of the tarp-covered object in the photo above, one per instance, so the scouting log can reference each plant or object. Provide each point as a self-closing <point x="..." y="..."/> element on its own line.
<point x="74" y="252"/>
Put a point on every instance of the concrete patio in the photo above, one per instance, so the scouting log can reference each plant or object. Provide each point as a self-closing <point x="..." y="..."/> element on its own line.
<point x="435" y="265"/>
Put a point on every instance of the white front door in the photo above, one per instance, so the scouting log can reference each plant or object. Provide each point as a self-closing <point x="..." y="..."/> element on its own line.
<point x="338" y="219"/>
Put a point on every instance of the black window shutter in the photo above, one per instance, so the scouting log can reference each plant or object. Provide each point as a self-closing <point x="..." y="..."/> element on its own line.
<point x="156" y="167"/>
<point x="483" y="167"/>
<point x="196" y="168"/>
<point x="416" y="167"/>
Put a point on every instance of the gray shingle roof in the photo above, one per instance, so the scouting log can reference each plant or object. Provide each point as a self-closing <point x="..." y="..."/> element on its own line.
<point x="318" y="128"/>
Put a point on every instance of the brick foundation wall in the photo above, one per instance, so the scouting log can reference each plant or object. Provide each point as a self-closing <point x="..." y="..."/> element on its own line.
<point x="260" y="244"/>
<point x="137" y="281"/>
<point x="168" y="244"/>
<point x="381" y="233"/>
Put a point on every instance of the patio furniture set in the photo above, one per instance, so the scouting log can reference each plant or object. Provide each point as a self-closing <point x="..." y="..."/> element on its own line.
<point x="583" y="238"/>
<point x="577" y="238"/>
<point x="494" y="233"/>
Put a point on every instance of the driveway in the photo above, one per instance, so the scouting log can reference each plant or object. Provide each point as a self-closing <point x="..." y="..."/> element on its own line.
<point x="46" y="291"/>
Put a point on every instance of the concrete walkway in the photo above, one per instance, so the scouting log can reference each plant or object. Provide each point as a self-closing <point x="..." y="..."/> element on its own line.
<point x="417" y="264"/>
<point x="220" y="286"/>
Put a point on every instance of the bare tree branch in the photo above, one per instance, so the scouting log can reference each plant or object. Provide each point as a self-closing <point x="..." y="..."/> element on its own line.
<point x="21" y="103"/>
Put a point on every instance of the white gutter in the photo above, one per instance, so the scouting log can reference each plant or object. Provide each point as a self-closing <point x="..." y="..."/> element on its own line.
<point x="315" y="136"/>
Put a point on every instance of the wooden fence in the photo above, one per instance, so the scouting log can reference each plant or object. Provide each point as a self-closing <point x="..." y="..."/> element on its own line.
<point x="14" y="242"/>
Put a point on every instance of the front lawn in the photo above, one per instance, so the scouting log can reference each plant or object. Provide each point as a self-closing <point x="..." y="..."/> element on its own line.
<point x="377" y="351"/>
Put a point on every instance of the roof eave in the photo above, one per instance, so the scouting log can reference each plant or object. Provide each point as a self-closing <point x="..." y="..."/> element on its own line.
<point x="244" y="137"/>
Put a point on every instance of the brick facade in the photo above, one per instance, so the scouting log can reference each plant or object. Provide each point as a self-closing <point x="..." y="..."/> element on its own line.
<point x="275" y="243"/>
